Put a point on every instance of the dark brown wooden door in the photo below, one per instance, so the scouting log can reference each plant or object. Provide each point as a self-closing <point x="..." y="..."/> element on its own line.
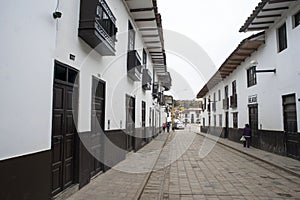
<point x="290" y="125"/>
<point x="97" y="126"/>
<point x="130" y="122"/>
<point x="253" y="123"/>
<point x="144" y="121"/>
<point x="63" y="129"/>
<point x="226" y="125"/>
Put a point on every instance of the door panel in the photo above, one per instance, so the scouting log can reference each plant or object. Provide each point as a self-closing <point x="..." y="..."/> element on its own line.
<point x="253" y="123"/>
<point x="226" y="124"/>
<point x="290" y="125"/>
<point x="97" y="125"/>
<point x="130" y="122"/>
<point x="144" y="121"/>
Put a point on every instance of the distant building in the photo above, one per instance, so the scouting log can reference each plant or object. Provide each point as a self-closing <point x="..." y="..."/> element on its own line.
<point x="188" y="111"/>
<point x="259" y="82"/>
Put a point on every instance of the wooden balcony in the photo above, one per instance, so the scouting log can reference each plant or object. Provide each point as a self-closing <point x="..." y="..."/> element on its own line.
<point x="233" y="101"/>
<point x="97" y="26"/>
<point x="226" y="103"/>
<point x="134" y="67"/>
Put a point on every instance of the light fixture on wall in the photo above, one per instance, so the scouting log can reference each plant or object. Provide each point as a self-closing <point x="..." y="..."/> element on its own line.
<point x="57" y="14"/>
<point x="254" y="63"/>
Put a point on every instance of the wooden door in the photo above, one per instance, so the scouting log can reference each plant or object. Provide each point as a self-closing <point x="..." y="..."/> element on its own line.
<point x="226" y="125"/>
<point x="130" y="122"/>
<point x="97" y="126"/>
<point x="144" y="121"/>
<point x="290" y="125"/>
<point x="63" y="144"/>
<point x="253" y="123"/>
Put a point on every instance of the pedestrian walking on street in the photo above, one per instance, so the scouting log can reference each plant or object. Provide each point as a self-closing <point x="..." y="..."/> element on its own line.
<point x="164" y="127"/>
<point x="247" y="135"/>
<point x="168" y="127"/>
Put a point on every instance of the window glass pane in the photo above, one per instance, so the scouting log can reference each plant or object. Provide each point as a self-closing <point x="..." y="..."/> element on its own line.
<point x="144" y="57"/>
<point x="60" y="73"/>
<point x="235" y="120"/>
<point x="251" y="76"/>
<point x="282" y="38"/>
<point x="72" y="76"/>
<point x="297" y="19"/>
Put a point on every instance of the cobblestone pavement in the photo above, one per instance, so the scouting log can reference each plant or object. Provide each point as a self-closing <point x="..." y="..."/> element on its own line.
<point x="223" y="174"/>
<point x="181" y="172"/>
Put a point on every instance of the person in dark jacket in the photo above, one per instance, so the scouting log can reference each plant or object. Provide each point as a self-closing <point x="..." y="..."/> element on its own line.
<point x="247" y="135"/>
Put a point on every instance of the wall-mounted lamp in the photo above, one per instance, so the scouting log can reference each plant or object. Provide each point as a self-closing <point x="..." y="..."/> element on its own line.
<point x="254" y="63"/>
<point x="265" y="70"/>
<point x="57" y="14"/>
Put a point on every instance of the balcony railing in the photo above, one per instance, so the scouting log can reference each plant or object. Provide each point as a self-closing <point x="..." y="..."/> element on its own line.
<point x="208" y="107"/>
<point x="233" y="101"/>
<point x="155" y="91"/>
<point x="98" y="29"/>
<point x="134" y="67"/>
<point x="161" y="99"/>
<point x="226" y="103"/>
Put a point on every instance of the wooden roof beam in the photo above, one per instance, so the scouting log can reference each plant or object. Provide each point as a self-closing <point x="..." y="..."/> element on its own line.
<point x="265" y="22"/>
<point x="145" y="19"/>
<point x="268" y="16"/>
<point x="156" y="35"/>
<point x="141" y="9"/>
<point x="151" y="42"/>
<point x="274" y="9"/>
<point x="149" y="29"/>
<point x="279" y="1"/>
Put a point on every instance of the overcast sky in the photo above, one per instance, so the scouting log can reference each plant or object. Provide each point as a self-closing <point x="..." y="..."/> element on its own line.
<point x="213" y="25"/>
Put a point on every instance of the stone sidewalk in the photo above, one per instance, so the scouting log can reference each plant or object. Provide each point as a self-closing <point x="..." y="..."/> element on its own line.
<point x="126" y="180"/>
<point x="165" y="169"/>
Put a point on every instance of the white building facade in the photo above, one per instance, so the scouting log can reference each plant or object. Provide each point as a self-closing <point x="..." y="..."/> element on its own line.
<point x="81" y="85"/>
<point x="191" y="115"/>
<point x="258" y="84"/>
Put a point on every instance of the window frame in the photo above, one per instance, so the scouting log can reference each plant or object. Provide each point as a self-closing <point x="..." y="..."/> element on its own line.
<point x="233" y="85"/>
<point x="296" y="22"/>
<point x="251" y="76"/>
<point x="282" y="38"/>
<point x="235" y="120"/>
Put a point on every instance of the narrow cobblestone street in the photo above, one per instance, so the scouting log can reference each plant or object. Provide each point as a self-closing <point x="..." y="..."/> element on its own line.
<point x="223" y="174"/>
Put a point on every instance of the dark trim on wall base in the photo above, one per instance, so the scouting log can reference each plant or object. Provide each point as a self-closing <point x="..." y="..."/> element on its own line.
<point x="267" y="140"/>
<point x="26" y="177"/>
